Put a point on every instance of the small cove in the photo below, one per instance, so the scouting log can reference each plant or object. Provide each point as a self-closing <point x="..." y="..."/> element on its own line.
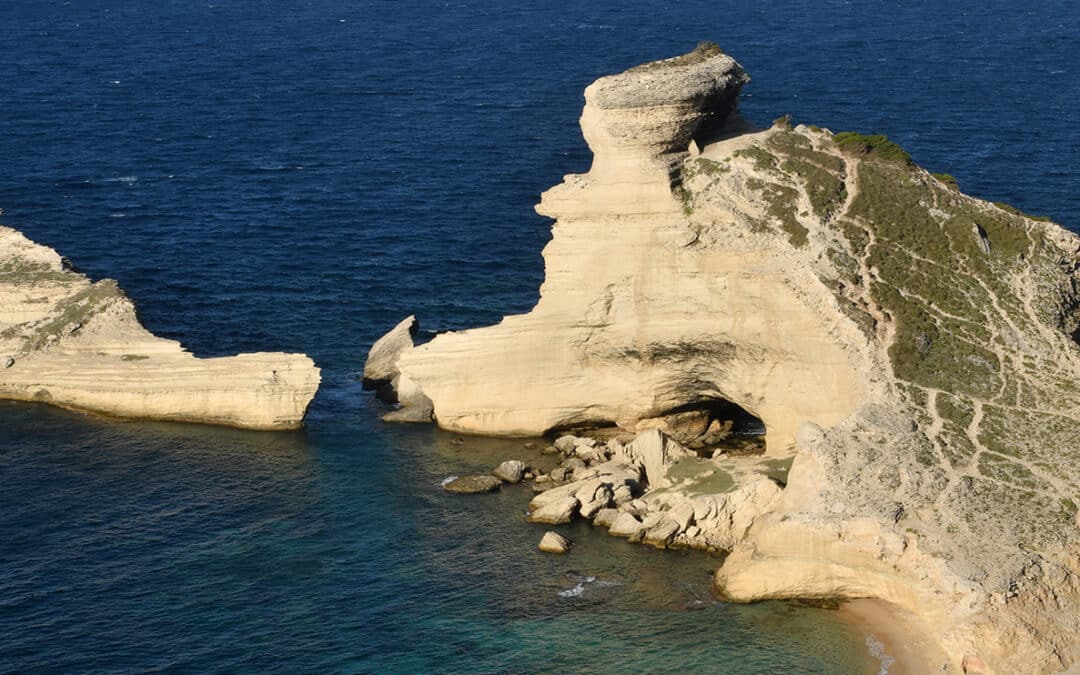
<point x="302" y="176"/>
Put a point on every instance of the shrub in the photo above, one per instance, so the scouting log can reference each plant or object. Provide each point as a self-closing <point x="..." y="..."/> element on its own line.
<point x="877" y="145"/>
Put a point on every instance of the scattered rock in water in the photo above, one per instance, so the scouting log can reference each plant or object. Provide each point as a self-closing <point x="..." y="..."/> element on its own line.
<point x="558" y="474"/>
<point x="605" y="517"/>
<point x="530" y="445"/>
<point x="510" y="471"/>
<point x="471" y="485"/>
<point x="556" y="512"/>
<point x="553" y="542"/>
<point x="549" y="450"/>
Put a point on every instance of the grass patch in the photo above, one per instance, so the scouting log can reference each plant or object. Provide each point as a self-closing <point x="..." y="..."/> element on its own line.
<point x="701" y="53"/>
<point x="72" y="313"/>
<point x="1009" y="208"/>
<point x="947" y="179"/>
<point x="877" y="145"/>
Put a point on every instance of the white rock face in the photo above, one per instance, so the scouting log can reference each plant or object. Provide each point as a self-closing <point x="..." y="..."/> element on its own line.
<point x="923" y="341"/>
<point x="78" y="344"/>
<point x="380" y="368"/>
<point x="634" y="319"/>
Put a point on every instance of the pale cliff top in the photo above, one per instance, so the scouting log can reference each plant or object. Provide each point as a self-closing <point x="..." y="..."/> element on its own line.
<point x="702" y="73"/>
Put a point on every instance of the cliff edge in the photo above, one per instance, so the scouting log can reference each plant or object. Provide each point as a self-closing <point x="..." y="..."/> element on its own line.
<point x="911" y="350"/>
<point x="67" y="341"/>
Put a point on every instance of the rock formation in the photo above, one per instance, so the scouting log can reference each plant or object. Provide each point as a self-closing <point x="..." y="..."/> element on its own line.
<point x="74" y="343"/>
<point x="911" y="349"/>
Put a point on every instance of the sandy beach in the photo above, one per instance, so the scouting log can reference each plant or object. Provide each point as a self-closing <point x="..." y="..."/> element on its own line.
<point x="895" y="638"/>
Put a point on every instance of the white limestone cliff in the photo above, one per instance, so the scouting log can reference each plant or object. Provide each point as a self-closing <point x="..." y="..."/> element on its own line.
<point x="70" y="342"/>
<point x="913" y="349"/>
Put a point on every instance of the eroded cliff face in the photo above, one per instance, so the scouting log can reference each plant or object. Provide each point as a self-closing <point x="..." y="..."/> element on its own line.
<point x="67" y="341"/>
<point x="911" y="346"/>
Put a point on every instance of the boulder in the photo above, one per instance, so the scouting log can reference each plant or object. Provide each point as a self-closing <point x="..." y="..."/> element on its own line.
<point x="380" y="369"/>
<point x="555" y="512"/>
<point x="601" y="498"/>
<point x="685" y="427"/>
<point x="471" y="485"/>
<point x="573" y="463"/>
<point x="661" y="534"/>
<point x="605" y="517"/>
<point x="553" y="542"/>
<point x="510" y="471"/>
<point x="414" y="405"/>
<point x="625" y="525"/>
<point x="622" y="494"/>
<point x="656" y="452"/>
<point x="565" y="443"/>
<point x="682" y="514"/>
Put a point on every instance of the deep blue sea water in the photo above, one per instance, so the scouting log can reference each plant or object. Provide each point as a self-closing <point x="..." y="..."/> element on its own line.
<point x="273" y="175"/>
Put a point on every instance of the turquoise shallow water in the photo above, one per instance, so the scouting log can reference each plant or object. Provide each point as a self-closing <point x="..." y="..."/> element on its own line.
<point x="156" y="546"/>
<point x="276" y="175"/>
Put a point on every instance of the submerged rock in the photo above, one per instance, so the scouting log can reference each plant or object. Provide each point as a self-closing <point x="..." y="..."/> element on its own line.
<point x="470" y="485"/>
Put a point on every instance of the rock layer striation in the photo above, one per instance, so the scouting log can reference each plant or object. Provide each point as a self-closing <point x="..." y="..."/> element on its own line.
<point x="71" y="342"/>
<point x="910" y="349"/>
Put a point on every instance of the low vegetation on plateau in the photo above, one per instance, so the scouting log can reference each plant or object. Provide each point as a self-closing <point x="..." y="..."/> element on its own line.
<point x="970" y="299"/>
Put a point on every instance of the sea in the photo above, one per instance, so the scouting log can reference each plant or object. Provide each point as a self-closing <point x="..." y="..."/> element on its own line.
<point x="299" y="175"/>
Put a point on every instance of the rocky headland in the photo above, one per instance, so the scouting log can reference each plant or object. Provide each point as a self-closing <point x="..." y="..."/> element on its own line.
<point x="912" y="353"/>
<point x="76" y="343"/>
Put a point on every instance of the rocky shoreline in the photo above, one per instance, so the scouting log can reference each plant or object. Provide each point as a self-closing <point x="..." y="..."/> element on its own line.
<point x="909" y="350"/>
<point x="647" y="489"/>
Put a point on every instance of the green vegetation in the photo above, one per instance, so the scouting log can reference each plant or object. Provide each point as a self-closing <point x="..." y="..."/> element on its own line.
<point x="783" y="122"/>
<point x="72" y="313"/>
<point x="948" y="179"/>
<point x="1017" y="212"/>
<point x="877" y="145"/>
<point x="702" y="52"/>
<point x="21" y="271"/>
<point x="762" y="158"/>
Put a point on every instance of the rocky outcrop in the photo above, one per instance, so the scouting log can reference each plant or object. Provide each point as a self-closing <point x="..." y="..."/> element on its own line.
<point x="553" y="542"/>
<point x="909" y="348"/>
<point x="472" y="485"/>
<point x="74" y="343"/>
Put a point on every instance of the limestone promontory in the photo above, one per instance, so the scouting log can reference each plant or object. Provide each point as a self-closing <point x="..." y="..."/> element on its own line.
<point x="910" y="351"/>
<point x="76" y="343"/>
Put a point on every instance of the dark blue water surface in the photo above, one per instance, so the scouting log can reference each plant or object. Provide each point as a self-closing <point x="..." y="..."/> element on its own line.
<point x="284" y="175"/>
